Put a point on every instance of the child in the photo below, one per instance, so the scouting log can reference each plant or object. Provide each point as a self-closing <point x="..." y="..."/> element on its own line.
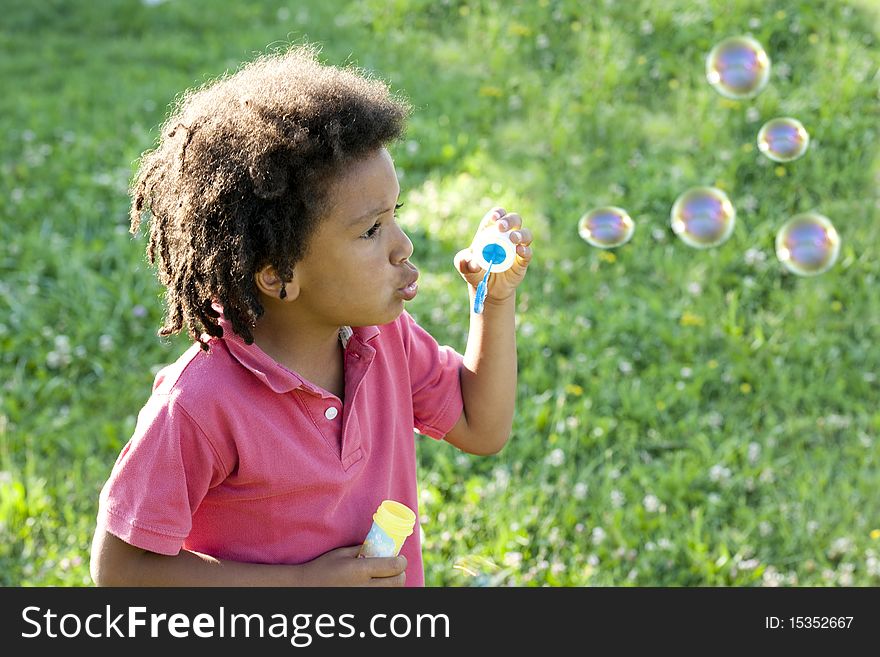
<point x="263" y="452"/>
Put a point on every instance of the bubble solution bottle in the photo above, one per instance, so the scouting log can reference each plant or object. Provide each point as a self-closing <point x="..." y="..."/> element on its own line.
<point x="392" y="523"/>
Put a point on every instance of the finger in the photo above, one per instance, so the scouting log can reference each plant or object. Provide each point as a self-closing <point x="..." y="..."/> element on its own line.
<point x="510" y="221"/>
<point x="383" y="567"/>
<point x="385" y="582"/>
<point x="524" y="254"/>
<point x="491" y="217"/>
<point x="522" y="236"/>
<point x="494" y="214"/>
<point x="464" y="264"/>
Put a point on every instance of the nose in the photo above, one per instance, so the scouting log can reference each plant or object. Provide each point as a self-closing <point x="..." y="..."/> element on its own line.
<point x="402" y="247"/>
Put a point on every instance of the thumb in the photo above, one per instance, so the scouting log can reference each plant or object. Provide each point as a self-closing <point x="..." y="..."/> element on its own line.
<point x="464" y="264"/>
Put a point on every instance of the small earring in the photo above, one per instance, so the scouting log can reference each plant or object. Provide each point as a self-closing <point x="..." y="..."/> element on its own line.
<point x="283" y="293"/>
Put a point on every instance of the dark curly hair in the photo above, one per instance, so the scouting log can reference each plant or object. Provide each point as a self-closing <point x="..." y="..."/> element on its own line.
<point x="240" y="176"/>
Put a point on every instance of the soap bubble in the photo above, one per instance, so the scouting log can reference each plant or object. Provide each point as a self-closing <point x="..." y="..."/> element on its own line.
<point x="703" y="217"/>
<point x="808" y="244"/>
<point x="738" y="67"/>
<point x="606" y="227"/>
<point x="480" y="571"/>
<point x="783" y="140"/>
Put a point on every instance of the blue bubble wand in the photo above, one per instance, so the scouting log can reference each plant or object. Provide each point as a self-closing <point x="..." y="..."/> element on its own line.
<point x="494" y="254"/>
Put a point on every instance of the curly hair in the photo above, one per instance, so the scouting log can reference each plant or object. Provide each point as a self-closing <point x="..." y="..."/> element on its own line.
<point x="240" y="179"/>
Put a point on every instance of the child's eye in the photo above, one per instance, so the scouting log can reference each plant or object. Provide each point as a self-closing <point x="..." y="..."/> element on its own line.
<point x="374" y="230"/>
<point x="376" y="227"/>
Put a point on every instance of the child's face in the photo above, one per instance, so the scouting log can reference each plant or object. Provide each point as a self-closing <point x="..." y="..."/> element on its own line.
<point x="356" y="271"/>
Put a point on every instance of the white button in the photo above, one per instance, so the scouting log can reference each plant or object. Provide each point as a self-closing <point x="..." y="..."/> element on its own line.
<point x="331" y="413"/>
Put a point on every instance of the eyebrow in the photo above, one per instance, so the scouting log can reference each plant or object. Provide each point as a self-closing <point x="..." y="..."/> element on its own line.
<point x="372" y="213"/>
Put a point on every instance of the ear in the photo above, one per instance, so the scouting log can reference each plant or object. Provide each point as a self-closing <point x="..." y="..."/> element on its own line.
<point x="269" y="283"/>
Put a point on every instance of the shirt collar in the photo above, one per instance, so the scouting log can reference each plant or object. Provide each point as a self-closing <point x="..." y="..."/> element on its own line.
<point x="272" y="373"/>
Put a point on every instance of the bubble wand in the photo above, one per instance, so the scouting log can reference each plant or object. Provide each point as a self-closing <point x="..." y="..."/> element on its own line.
<point x="494" y="254"/>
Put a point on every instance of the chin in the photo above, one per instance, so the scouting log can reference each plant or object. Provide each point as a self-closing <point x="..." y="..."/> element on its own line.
<point x="378" y="319"/>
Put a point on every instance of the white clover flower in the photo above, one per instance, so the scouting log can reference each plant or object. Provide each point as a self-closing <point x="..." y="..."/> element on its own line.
<point x="53" y="360"/>
<point x="513" y="559"/>
<point x="753" y="115"/>
<point x="556" y="457"/>
<point x="105" y="342"/>
<point x="580" y="490"/>
<point x="841" y="547"/>
<point x="651" y="503"/>
<point x="772" y="577"/>
<point x="625" y="367"/>
<point x="502" y="477"/>
<point x="598" y="535"/>
<point x="767" y="476"/>
<point x="754" y="452"/>
<point x="714" y="419"/>
<point x="719" y="473"/>
<point x="749" y="203"/>
<point x="617" y="499"/>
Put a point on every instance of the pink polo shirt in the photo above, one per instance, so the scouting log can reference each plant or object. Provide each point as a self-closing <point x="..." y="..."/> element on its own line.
<point x="237" y="457"/>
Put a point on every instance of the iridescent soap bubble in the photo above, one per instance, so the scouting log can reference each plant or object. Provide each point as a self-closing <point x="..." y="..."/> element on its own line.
<point x="480" y="571"/>
<point x="808" y="244"/>
<point x="738" y="67"/>
<point x="606" y="227"/>
<point x="703" y="217"/>
<point x="783" y="140"/>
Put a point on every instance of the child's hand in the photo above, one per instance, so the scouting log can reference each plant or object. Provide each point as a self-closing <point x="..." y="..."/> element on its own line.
<point x="502" y="285"/>
<point x="342" y="567"/>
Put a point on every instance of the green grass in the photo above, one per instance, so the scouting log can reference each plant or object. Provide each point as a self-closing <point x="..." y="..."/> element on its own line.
<point x="684" y="417"/>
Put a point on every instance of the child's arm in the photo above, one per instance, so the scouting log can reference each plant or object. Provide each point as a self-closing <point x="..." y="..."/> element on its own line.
<point x="116" y="563"/>
<point x="488" y="376"/>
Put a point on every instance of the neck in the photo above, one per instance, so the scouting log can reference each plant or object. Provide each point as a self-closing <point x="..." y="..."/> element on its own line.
<point x="303" y="347"/>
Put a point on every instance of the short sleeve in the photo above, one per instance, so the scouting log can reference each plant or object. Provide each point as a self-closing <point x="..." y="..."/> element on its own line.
<point x="159" y="479"/>
<point x="435" y="377"/>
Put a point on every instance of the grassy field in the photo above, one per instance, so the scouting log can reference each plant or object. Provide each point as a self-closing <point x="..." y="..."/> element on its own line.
<point x="685" y="417"/>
